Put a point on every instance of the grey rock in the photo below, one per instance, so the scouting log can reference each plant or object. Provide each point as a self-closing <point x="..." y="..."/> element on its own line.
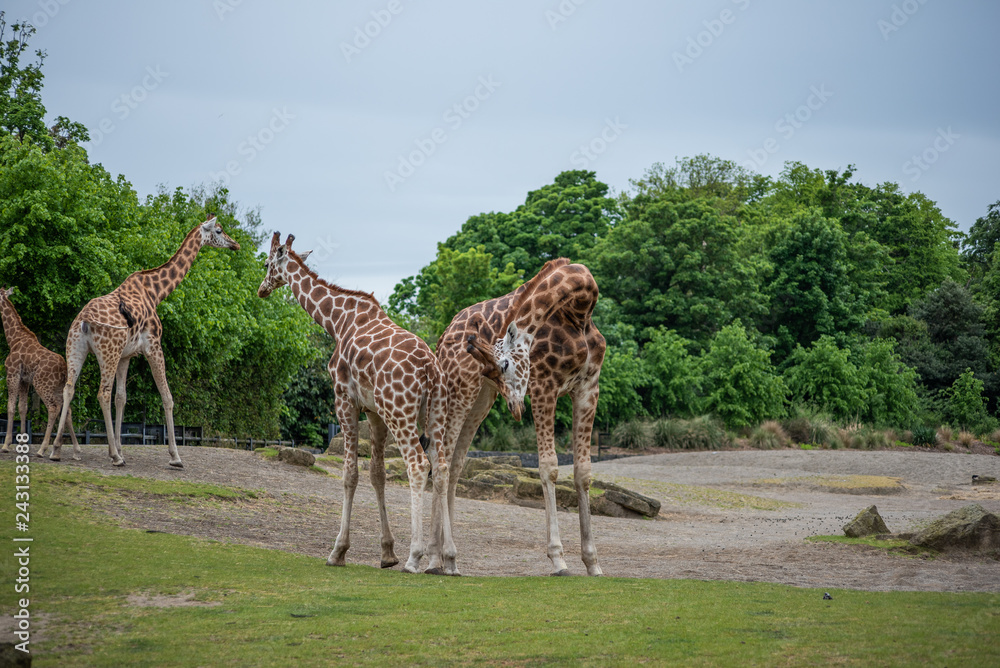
<point x="296" y="456"/>
<point x="867" y="523"/>
<point x="970" y="528"/>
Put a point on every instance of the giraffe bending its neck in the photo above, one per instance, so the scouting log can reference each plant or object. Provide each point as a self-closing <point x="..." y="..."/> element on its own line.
<point x="123" y="324"/>
<point x="31" y="363"/>
<point x="390" y="374"/>
<point x="546" y="321"/>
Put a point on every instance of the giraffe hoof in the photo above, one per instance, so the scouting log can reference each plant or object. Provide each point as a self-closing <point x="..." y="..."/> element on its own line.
<point x="54" y="458"/>
<point x="331" y="562"/>
<point x="389" y="564"/>
<point x="434" y="571"/>
<point x="77" y="458"/>
<point x="178" y="464"/>
<point x="561" y="573"/>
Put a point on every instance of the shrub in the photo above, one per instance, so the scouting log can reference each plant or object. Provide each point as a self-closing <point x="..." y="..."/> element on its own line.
<point x="500" y="440"/>
<point x="669" y="433"/>
<point x="700" y="433"/>
<point x="907" y="436"/>
<point x="865" y="438"/>
<point x="811" y="429"/>
<point x="944" y="434"/>
<point x="966" y="438"/>
<point x="923" y="436"/>
<point x="769" y="436"/>
<point x="630" y="434"/>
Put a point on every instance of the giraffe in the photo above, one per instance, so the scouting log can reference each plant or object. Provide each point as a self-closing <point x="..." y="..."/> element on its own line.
<point x="31" y="363"/>
<point x="123" y="324"/>
<point x="550" y="318"/>
<point x="393" y="377"/>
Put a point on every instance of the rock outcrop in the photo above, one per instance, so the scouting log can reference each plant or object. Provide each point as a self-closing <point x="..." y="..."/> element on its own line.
<point x="296" y="456"/>
<point x="867" y="523"/>
<point x="970" y="528"/>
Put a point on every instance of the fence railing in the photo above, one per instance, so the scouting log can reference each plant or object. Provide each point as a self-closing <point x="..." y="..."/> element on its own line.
<point x="135" y="433"/>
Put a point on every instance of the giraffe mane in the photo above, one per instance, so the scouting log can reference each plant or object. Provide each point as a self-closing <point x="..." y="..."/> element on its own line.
<point x="367" y="296"/>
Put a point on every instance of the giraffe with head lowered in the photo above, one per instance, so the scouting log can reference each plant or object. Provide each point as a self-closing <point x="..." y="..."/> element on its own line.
<point x="546" y="346"/>
<point x="123" y="324"/>
<point x="31" y="364"/>
<point x="392" y="376"/>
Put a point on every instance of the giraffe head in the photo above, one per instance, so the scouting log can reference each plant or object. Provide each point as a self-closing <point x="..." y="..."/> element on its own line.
<point x="212" y="235"/>
<point x="276" y="265"/>
<point x="506" y="364"/>
<point x="511" y="354"/>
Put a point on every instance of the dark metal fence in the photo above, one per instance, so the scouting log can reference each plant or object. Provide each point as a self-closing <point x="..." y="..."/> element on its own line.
<point x="134" y="433"/>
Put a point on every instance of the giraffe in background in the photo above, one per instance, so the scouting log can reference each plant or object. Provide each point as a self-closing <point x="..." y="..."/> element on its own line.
<point x="31" y="363"/>
<point x="123" y="324"/>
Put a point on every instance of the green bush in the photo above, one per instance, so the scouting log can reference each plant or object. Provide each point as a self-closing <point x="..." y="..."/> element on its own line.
<point x="923" y="436"/>
<point x="630" y="434"/>
<point x="813" y="429"/>
<point x="668" y="433"/>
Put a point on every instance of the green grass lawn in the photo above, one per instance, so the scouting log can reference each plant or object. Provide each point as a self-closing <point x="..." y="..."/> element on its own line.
<point x="270" y="608"/>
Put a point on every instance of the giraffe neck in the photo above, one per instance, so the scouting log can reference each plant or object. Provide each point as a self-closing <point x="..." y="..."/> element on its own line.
<point x="336" y="309"/>
<point x="162" y="280"/>
<point x="13" y="328"/>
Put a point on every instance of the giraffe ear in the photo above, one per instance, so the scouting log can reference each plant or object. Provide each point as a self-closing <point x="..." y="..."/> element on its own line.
<point x="305" y="255"/>
<point x="511" y="332"/>
<point x="8" y="291"/>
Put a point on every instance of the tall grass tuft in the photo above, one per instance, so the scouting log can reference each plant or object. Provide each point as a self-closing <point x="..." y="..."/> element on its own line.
<point x="924" y="436"/>
<point x="631" y="435"/>
<point x="966" y="438"/>
<point x="944" y="434"/>
<point x="770" y="435"/>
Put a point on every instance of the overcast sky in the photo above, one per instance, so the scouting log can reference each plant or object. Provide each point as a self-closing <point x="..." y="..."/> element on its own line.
<point x="373" y="129"/>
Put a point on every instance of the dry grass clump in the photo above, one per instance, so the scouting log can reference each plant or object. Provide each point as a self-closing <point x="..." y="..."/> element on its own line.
<point x="770" y="435"/>
<point x="966" y="438"/>
<point x="944" y="434"/>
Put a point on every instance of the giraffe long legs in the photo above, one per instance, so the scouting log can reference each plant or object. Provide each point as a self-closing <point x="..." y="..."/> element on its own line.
<point x="120" y="396"/>
<point x="377" y="475"/>
<point x="104" y="399"/>
<point x="12" y="394"/>
<point x="348" y="417"/>
<point x="584" y="409"/>
<point x="544" y="413"/>
<point x="155" y="358"/>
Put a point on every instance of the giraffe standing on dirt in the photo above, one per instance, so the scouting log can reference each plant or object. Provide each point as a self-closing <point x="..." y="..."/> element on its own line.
<point x="123" y="324"/>
<point x="546" y="320"/>
<point x="31" y="363"/>
<point x="390" y="374"/>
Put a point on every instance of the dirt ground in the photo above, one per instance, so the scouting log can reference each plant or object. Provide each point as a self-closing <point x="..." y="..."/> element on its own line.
<point x="718" y="520"/>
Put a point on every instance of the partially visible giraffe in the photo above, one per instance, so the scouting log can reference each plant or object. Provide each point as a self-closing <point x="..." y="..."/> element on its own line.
<point x="549" y="319"/>
<point x="123" y="324"/>
<point x="390" y="374"/>
<point x="31" y="363"/>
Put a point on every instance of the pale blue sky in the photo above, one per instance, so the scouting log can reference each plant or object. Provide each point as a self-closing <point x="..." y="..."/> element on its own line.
<point x="307" y="109"/>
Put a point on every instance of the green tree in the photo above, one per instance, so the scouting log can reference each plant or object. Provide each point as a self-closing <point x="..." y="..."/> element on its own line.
<point x="678" y="266"/>
<point x="890" y="385"/>
<point x="823" y="377"/>
<point x="673" y="375"/>
<point x="979" y="245"/>
<point x="739" y="383"/>
<point x="966" y="404"/>
<point x="810" y="293"/>
<point x="623" y="374"/>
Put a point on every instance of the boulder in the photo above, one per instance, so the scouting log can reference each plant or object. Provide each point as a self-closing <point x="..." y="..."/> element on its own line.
<point x="296" y="456"/>
<point x="971" y="528"/>
<point x="867" y="523"/>
<point x="475" y="464"/>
